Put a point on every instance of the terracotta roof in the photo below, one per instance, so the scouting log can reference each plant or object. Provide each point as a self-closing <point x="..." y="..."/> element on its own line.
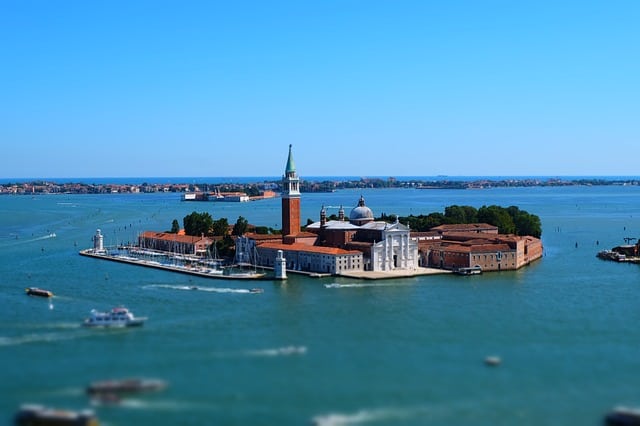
<point x="463" y="227"/>
<point x="262" y="237"/>
<point x="307" y="248"/>
<point x="166" y="236"/>
<point x="303" y="234"/>
<point x="475" y="248"/>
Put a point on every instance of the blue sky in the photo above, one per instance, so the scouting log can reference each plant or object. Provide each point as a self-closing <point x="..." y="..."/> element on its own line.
<point x="360" y="88"/>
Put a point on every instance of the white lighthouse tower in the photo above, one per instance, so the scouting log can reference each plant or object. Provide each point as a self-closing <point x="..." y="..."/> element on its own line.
<point x="280" y="266"/>
<point x="98" y="242"/>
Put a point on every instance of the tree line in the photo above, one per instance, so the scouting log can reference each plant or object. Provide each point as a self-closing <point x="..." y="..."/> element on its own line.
<point x="509" y="220"/>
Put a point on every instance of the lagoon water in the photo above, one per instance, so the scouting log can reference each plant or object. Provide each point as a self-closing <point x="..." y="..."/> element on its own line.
<point x="331" y="351"/>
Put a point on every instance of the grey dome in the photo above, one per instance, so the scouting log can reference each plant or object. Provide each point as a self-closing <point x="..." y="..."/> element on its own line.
<point x="361" y="214"/>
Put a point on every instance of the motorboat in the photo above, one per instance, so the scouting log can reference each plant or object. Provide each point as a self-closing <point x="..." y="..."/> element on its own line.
<point x="117" y="387"/>
<point x="33" y="414"/>
<point x="471" y="270"/>
<point x="493" y="361"/>
<point x="623" y="416"/>
<point x="116" y="317"/>
<point x="256" y="290"/>
<point x="35" y="291"/>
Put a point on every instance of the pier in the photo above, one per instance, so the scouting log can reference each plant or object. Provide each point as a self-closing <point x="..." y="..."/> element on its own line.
<point x="202" y="270"/>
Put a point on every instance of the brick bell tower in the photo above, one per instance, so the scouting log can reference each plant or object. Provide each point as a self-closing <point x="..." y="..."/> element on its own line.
<point x="290" y="202"/>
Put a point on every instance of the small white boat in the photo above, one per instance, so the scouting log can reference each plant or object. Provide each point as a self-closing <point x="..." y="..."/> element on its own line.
<point x="471" y="270"/>
<point x="493" y="361"/>
<point x="117" y="317"/>
<point x="33" y="414"/>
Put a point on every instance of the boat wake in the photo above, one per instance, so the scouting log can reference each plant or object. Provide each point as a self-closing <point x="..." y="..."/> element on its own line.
<point x="155" y="405"/>
<point x="387" y="415"/>
<point x="46" y="237"/>
<point x="17" y="241"/>
<point x="40" y="338"/>
<point x="270" y="352"/>
<point x="359" y="285"/>
<point x="198" y="288"/>
<point x="283" y="351"/>
<point x="52" y="325"/>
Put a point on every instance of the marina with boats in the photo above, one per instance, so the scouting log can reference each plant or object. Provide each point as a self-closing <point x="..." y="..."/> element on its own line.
<point x="201" y="267"/>
<point x="198" y="262"/>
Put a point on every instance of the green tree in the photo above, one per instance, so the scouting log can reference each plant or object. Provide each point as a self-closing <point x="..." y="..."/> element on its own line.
<point x="526" y="223"/>
<point x="226" y="247"/>
<point x="241" y="226"/>
<point x="252" y="191"/>
<point x="461" y="214"/>
<point x="197" y="224"/>
<point x="262" y="230"/>
<point x="175" y="226"/>
<point x="497" y="216"/>
<point x="220" y="227"/>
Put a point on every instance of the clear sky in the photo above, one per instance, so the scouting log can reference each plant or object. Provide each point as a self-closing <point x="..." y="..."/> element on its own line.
<point x="360" y="88"/>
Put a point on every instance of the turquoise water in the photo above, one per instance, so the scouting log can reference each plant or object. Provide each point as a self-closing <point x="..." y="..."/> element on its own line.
<point x="398" y="352"/>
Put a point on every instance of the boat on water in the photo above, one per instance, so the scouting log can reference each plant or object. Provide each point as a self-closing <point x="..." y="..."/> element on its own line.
<point x="256" y="290"/>
<point x="116" y="317"/>
<point x="122" y="386"/>
<point x="39" y="415"/>
<point x="623" y="416"/>
<point x="35" y="291"/>
<point x="471" y="270"/>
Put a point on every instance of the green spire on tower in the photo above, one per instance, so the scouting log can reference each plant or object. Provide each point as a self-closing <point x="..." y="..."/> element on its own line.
<point x="291" y="167"/>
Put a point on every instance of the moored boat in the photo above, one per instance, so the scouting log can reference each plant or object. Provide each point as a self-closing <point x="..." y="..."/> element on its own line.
<point x="471" y="270"/>
<point x="116" y="317"/>
<point x="35" y="291"/>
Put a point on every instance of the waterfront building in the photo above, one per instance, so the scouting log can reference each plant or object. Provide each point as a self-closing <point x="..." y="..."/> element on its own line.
<point x="174" y="243"/>
<point x="458" y="247"/>
<point x="332" y="247"/>
<point x="360" y="243"/>
<point x="385" y="246"/>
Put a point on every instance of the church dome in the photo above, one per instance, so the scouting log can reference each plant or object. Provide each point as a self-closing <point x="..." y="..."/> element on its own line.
<point x="361" y="214"/>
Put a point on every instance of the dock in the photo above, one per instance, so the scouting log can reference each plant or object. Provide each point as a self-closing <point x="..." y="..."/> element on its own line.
<point x="200" y="271"/>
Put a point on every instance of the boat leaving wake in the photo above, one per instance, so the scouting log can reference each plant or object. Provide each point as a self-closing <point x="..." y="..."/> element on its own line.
<point x="360" y="285"/>
<point x="18" y="241"/>
<point x="51" y="325"/>
<point x="40" y="338"/>
<point x="284" y="351"/>
<point x="156" y="405"/>
<point x="199" y="288"/>
<point x="369" y="416"/>
<point x="272" y="352"/>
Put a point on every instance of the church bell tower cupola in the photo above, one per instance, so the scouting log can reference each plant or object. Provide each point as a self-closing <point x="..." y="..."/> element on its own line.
<point x="291" y="182"/>
<point x="290" y="199"/>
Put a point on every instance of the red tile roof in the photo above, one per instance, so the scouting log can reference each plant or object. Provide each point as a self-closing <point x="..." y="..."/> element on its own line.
<point x="307" y="248"/>
<point x="166" y="236"/>
<point x="464" y="227"/>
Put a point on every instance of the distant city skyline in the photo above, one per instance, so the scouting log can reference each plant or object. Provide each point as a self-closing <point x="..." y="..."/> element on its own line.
<point x="412" y="88"/>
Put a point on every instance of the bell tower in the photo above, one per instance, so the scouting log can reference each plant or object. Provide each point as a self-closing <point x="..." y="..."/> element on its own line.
<point x="290" y="201"/>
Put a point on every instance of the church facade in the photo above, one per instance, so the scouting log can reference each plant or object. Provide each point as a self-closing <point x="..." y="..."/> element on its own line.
<point x="385" y="246"/>
<point x="330" y="247"/>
